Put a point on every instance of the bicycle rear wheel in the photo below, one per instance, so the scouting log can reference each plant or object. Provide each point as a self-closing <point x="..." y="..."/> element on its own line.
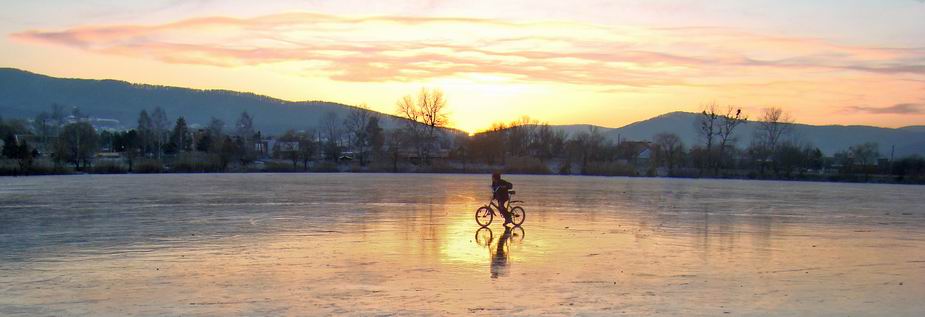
<point x="483" y="216"/>
<point x="518" y="215"/>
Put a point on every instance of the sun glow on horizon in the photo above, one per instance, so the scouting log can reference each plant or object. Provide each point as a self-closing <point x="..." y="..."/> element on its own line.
<point x="556" y="71"/>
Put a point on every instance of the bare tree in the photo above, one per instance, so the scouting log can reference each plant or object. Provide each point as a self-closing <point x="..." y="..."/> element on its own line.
<point x="708" y="127"/>
<point x="393" y="146"/>
<point x="728" y="123"/>
<point x="145" y="131"/>
<point x="775" y="124"/>
<point x="330" y="125"/>
<point x="160" y="130"/>
<point x="288" y="147"/>
<point x="548" y="142"/>
<point x="356" y="123"/>
<point x="521" y="134"/>
<point x="307" y="147"/>
<point x="244" y="128"/>
<point x="865" y="154"/>
<point x="424" y="117"/>
<point x="670" y="149"/>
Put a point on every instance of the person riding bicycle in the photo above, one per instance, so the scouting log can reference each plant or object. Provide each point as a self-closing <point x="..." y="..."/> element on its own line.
<point x="500" y="189"/>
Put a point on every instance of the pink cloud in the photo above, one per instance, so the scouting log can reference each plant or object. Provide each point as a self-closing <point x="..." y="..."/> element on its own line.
<point x="399" y="48"/>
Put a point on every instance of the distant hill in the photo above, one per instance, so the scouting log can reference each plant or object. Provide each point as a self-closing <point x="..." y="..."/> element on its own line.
<point x="24" y="94"/>
<point x="914" y="128"/>
<point x="829" y="138"/>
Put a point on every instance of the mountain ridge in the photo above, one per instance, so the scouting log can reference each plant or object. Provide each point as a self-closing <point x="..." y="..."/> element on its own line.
<point x="24" y="94"/>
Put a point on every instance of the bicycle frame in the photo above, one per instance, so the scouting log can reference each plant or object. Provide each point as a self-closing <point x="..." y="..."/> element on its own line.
<point x="510" y="204"/>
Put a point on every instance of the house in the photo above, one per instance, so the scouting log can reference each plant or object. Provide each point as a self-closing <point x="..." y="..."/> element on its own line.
<point x="286" y="146"/>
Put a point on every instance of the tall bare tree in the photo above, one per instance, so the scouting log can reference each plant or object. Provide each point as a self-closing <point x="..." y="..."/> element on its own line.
<point x="161" y="130"/>
<point x="356" y="123"/>
<point x="145" y="132"/>
<point x="424" y="116"/>
<point x="775" y="124"/>
<point x="708" y="127"/>
<point x="728" y="123"/>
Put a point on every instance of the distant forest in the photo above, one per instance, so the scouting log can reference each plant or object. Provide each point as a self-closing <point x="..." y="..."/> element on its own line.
<point x="60" y="141"/>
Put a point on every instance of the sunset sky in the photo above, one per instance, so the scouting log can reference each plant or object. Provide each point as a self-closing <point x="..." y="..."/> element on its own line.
<point x="600" y="62"/>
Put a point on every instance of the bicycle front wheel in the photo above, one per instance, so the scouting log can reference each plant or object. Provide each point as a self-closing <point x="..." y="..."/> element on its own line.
<point x="518" y="215"/>
<point x="483" y="236"/>
<point x="483" y="216"/>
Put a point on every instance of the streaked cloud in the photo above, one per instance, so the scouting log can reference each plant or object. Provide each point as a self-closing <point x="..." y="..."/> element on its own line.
<point x="902" y="108"/>
<point x="404" y="48"/>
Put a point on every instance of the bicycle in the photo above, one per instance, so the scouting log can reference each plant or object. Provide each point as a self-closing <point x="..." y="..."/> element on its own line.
<point x="484" y="236"/>
<point x="485" y="214"/>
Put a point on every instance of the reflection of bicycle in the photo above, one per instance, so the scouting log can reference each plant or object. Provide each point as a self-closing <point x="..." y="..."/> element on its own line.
<point x="484" y="236"/>
<point x="499" y="251"/>
<point x="485" y="214"/>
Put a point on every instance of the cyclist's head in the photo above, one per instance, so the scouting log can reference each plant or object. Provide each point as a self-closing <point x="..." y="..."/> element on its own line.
<point x="496" y="175"/>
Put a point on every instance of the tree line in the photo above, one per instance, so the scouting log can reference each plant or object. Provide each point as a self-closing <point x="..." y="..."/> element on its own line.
<point x="416" y="138"/>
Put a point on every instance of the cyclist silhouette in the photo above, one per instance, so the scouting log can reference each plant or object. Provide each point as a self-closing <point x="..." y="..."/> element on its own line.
<point x="500" y="189"/>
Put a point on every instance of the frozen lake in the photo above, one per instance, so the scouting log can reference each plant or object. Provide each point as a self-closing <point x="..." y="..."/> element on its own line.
<point x="381" y="244"/>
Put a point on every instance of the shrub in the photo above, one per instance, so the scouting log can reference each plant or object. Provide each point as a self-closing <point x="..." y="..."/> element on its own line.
<point x="526" y="165"/>
<point x="108" y="167"/>
<point x="325" y="167"/>
<point x="149" y="166"/>
<point x="279" y="167"/>
<point x="608" y="169"/>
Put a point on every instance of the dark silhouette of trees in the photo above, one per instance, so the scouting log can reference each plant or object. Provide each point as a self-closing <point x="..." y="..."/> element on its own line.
<point x="773" y="128"/>
<point x="159" y="130"/>
<point x="375" y="137"/>
<point x="865" y="154"/>
<point x="548" y="142"/>
<point x="288" y="147"/>
<point x="424" y="116"/>
<point x="521" y="146"/>
<point x="19" y="151"/>
<point x="670" y="149"/>
<point x="227" y="151"/>
<point x="909" y="168"/>
<point x="330" y="125"/>
<point x="10" y="147"/>
<point x="129" y="144"/>
<point x="356" y="124"/>
<point x="246" y="137"/>
<point x="728" y="123"/>
<point x="308" y="147"/>
<point x="708" y="127"/>
<point x="76" y="144"/>
<point x="713" y="126"/>
<point x="180" y="136"/>
<point x="146" y="133"/>
<point x="394" y="142"/>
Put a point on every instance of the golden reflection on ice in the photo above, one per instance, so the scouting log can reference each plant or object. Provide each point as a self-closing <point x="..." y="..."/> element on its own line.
<point x="596" y="246"/>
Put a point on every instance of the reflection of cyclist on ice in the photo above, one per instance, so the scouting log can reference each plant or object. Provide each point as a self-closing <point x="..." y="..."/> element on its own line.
<point x="500" y="189"/>
<point x="499" y="260"/>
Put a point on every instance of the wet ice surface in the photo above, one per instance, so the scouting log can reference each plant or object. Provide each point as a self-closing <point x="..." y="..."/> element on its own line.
<point x="370" y="244"/>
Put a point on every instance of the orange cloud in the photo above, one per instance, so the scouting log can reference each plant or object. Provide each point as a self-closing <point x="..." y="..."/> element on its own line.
<point x="400" y="48"/>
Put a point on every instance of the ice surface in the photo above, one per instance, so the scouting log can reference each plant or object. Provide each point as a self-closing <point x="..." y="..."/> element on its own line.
<point x="373" y="244"/>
